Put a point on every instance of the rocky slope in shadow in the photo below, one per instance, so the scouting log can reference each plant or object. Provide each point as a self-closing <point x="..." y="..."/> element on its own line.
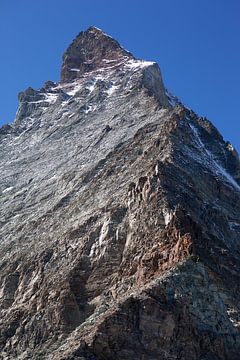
<point x="119" y="218"/>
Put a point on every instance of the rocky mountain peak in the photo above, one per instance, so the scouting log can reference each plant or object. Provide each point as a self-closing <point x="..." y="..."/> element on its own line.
<point x="90" y="50"/>
<point x="119" y="219"/>
<point x="95" y="68"/>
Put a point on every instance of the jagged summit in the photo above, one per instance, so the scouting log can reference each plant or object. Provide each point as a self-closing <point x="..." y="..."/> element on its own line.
<point x="90" y="50"/>
<point x="94" y="63"/>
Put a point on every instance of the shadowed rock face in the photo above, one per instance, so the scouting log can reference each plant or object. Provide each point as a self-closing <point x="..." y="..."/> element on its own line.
<point x="119" y="219"/>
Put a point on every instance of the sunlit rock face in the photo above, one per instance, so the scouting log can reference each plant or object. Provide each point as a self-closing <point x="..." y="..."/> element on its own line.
<point x="91" y="50"/>
<point x="119" y="218"/>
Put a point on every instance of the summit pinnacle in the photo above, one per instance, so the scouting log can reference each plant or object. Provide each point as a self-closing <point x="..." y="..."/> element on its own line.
<point x="90" y="50"/>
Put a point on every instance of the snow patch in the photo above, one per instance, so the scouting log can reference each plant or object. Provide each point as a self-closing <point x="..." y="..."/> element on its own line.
<point x="110" y="60"/>
<point x="230" y="147"/>
<point x="173" y="100"/>
<point x="233" y="317"/>
<point x="7" y="189"/>
<point x="51" y="98"/>
<point x="211" y="161"/>
<point x="91" y="85"/>
<point x="167" y="216"/>
<point x="112" y="89"/>
<point x="90" y="108"/>
<point x="74" y="89"/>
<point x="138" y="64"/>
<point x="98" y="249"/>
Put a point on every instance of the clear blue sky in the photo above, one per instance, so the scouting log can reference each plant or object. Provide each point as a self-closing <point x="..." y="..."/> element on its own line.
<point x="195" y="42"/>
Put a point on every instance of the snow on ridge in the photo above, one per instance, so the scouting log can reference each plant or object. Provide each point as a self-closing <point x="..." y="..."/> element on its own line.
<point x="48" y="97"/>
<point x="173" y="100"/>
<point x="135" y="64"/>
<point x="218" y="168"/>
<point x="92" y="86"/>
<point x="112" y="89"/>
<point x="73" y="89"/>
<point x="51" y="98"/>
<point x="90" y="108"/>
<point x="167" y="215"/>
<point x="7" y="189"/>
<point x="109" y="60"/>
<point x="36" y="102"/>
<point x="89" y="80"/>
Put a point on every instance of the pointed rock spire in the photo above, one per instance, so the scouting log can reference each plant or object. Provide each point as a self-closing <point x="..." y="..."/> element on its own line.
<point x="90" y="50"/>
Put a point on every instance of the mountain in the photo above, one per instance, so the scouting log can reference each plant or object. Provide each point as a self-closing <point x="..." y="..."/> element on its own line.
<point x="119" y="218"/>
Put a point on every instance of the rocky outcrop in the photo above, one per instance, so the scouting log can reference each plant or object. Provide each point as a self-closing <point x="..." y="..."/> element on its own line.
<point x="119" y="214"/>
<point x="91" y="50"/>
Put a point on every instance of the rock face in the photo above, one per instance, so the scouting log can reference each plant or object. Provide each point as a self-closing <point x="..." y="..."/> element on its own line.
<point x="120" y="219"/>
<point x="91" y="50"/>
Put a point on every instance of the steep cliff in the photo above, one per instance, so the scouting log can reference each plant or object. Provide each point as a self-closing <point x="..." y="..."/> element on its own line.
<point x="119" y="218"/>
